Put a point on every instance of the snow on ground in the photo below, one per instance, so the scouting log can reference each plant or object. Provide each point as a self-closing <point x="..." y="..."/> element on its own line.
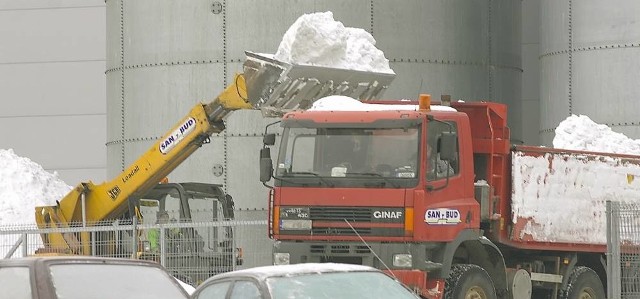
<point x="318" y="39"/>
<point x="24" y="184"/>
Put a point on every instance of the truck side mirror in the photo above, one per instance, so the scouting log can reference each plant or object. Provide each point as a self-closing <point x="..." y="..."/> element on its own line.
<point x="266" y="165"/>
<point x="269" y="139"/>
<point x="448" y="146"/>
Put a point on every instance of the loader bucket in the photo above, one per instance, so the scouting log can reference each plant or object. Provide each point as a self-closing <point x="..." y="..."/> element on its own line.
<point x="276" y="87"/>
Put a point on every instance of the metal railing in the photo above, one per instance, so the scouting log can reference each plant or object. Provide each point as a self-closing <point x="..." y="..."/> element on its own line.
<point x="623" y="250"/>
<point x="191" y="251"/>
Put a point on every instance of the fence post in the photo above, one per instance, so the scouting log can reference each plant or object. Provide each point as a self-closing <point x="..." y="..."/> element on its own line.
<point x="613" y="250"/>
<point x="134" y="232"/>
<point x="163" y="248"/>
<point x="25" y="245"/>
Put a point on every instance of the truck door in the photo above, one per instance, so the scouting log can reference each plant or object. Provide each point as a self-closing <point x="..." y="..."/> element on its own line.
<point x="444" y="213"/>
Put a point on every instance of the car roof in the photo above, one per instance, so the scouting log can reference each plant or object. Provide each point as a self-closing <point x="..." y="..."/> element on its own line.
<point x="295" y="269"/>
<point x="31" y="260"/>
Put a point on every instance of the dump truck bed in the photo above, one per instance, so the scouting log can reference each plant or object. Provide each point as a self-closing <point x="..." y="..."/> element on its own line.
<point x="559" y="196"/>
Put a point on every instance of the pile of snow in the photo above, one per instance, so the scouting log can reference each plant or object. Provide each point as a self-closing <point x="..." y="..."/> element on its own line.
<point x="579" y="132"/>
<point x="344" y="103"/>
<point x="562" y="197"/>
<point x="24" y="184"/>
<point x="318" y="39"/>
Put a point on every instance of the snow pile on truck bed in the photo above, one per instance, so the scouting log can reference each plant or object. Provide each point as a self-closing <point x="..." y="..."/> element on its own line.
<point x="318" y="39"/>
<point x="562" y="197"/>
<point x="579" y="132"/>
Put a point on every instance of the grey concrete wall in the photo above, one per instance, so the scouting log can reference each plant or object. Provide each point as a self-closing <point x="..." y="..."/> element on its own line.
<point x="589" y="64"/>
<point x="52" y="85"/>
<point x="530" y="120"/>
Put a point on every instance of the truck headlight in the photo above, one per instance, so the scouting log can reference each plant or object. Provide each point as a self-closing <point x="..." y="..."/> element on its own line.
<point x="281" y="258"/>
<point x="402" y="260"/>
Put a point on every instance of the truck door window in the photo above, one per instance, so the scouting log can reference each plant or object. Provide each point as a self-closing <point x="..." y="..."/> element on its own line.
<point x="437" y="168"/>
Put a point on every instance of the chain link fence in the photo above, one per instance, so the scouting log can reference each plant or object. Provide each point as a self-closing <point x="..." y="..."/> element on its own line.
<point x="191" y="251"/>
<point x="623" y="250"/>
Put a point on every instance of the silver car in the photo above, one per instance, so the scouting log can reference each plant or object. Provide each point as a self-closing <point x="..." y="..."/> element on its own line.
<point x="78" y="277"/>
<point x="303" y="281"/>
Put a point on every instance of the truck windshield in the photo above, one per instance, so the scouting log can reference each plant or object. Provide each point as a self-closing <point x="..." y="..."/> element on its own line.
<point x="349" y="157"/>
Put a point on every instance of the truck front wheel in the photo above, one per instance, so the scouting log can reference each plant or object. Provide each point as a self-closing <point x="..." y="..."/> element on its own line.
<point x="469" y="282"/>
<point x="584" y="283"/>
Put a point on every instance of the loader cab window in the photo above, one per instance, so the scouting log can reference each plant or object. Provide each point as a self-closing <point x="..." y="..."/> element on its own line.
<point x="436" y="167"/>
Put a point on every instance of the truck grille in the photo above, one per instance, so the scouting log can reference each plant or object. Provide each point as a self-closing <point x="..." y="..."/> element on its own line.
<point x="339" y="231"/>
<point x="339" y="249"/>
<point x="339" y="214"/>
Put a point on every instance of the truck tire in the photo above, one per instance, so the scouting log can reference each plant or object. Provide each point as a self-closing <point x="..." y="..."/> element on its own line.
<point x="584" y="283"/>
<point x="469" y="281"/>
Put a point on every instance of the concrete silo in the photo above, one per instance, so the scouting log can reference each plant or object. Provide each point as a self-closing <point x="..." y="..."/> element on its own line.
<point x="164" y="56"/>
<point x="589" y="64"/>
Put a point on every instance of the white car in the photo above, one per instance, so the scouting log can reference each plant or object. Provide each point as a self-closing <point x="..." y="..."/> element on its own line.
<point x="308" y="281"/>
<point x="82" y="277"/>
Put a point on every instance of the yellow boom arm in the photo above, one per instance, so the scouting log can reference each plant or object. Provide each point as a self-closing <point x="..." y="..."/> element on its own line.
<point x="109" y="199"/>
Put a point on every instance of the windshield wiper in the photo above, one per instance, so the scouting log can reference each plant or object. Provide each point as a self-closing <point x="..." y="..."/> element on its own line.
<point x="386" y="179"/>
<point x="313" y="174"/>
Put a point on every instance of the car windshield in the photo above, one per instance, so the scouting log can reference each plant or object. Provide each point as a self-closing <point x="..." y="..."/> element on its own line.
<point x="349" y="157"/>
<point x="340" y="285"/>
<point x="113" y="281"/>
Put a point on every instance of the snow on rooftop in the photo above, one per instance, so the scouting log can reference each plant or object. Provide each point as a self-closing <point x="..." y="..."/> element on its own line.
<point x="344" y="103"/>
<point x="303" y="268"/>
<point x="318" y="39"/>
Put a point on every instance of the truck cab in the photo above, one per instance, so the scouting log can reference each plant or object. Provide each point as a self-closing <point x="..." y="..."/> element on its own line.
<point x="392" y="189"/>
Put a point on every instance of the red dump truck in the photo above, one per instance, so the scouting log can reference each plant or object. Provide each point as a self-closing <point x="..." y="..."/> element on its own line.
<point x="438" y="196"/>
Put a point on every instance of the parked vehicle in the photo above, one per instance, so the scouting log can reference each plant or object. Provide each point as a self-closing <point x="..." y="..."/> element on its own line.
<point x="309" y="281"/>
<point x="497" y="221"/>
<point x="82" y="277"/>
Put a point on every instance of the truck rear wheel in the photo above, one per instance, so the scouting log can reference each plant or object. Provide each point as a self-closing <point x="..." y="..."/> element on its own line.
<point x="584" y="283"/>
<point x="469" y="282"/>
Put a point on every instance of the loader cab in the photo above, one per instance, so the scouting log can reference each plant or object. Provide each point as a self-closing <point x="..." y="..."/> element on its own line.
<point x="189" y="203"/>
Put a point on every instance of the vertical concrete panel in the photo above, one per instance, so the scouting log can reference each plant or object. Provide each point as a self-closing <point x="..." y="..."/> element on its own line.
<point x="594" y="44"/>
<point x="554" y="104"/>
<point x="52" y="59"/>
<point x="531" y="72"/>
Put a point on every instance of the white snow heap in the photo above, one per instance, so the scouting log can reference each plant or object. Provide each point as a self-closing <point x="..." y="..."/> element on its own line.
<point x="579" y="132"/>
<point x="344" y="103"/>
<point x="24" y="185"/>
<point x="554" y="194"/>
<point x="318" y="39"/>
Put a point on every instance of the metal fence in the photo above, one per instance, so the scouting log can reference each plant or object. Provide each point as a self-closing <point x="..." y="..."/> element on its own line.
<point x="623" y="250"/>
<point x="191" y="251"/>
